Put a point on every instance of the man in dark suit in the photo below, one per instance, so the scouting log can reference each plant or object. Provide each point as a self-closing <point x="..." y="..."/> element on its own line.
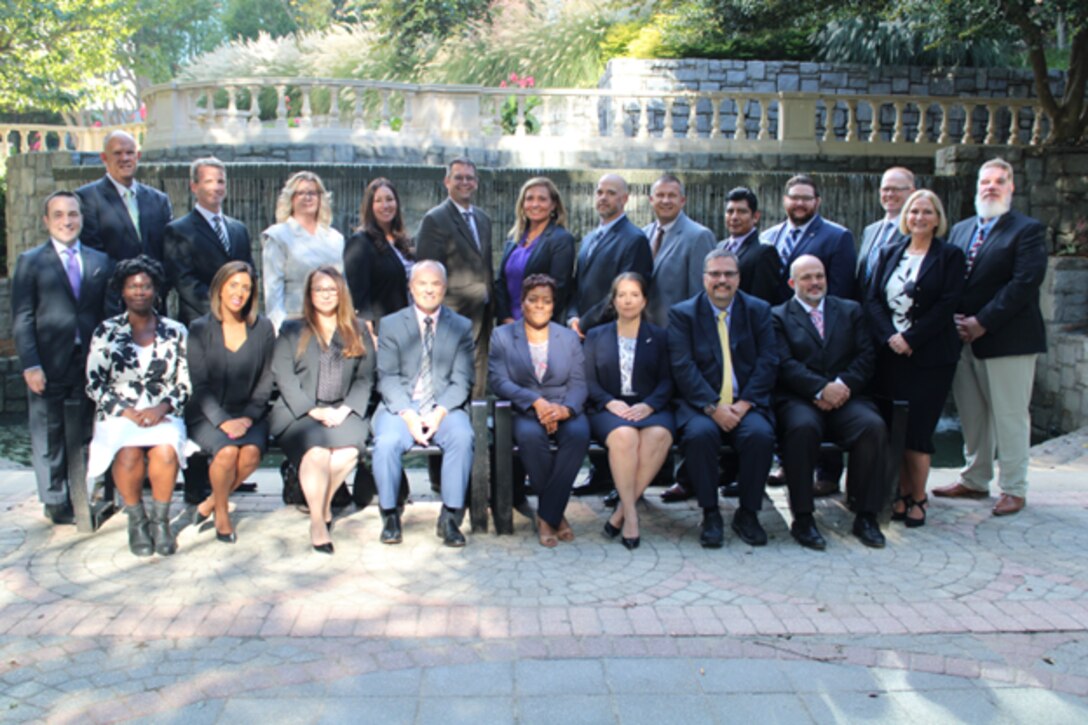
<point x="203" y="240"/>
<point x="58" y="298"/>
<point x="806" y="232"/>
<point x="425" y="371"/>
<point x="895" y="186"/>
<point x="678" y="245"/>
<point x="121" y="216"/>
<point x="758" y="262"/>
<point x="615" y="246"/>
<point x="458" y="235"/>
<point x="826" y="359"/>
<point x="724" y="357"/>
<point x="1000" y="322"/>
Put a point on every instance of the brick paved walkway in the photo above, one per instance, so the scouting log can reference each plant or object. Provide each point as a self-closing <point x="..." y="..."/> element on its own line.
<point x="970" y="618"/>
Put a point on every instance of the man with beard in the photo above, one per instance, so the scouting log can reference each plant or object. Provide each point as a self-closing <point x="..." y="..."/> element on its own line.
<point x="1000" y="322"/>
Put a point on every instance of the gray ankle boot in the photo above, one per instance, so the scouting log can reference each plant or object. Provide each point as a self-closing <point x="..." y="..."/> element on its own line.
<point x="165" y="545"/>
<point x="139" y="536"/>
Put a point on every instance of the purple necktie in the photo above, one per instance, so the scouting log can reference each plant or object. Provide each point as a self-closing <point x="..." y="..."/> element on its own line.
<point x="72" y="268"/>
<point x="818" y="321"/>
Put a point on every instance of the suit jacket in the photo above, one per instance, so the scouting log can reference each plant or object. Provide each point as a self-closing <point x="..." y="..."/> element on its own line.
<point x="107" y="225"/>
<point x="296" y="377"/>
<point x="759" y="267"/>
<point x="937" y="290"/>
<point x="444" y="235"/>
<point x="807" y="362"/>
<point x="207" y="354"/>
<point x="553" y="255"/>
<point x="832" y="243"/>
<point x="400" y="355"/>
<point x="1002" y="290"/>
<point x="45" y="313"/>
<point x="624" y="248"/>
<point x="510" y="368"/>
<point x="194" y="254"/>
<point x="696" y="355"/>
<point x="375" y="276"/>
<point x="868" y="239"/>
<point x="678" y="266"/>
<point x="650" y="377"/>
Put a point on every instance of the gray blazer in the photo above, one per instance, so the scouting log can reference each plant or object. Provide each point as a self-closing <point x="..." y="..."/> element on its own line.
<point x="400" y="352"/>
<point x="868" y="238"/>
<point x="678" y="267"/>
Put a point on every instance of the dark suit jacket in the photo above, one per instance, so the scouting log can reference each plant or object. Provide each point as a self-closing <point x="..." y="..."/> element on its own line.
<point x="868" y="239"/>
<point x="296" y="377"/>
<point x="696" y="354"/>
<point x="194" y="254"/>
<point x="932" y="335"/>
<point x="510" y="368"/>
<point x="108" y="227"/>
<point x="207" y="353"/>
<point x="445" y="236"/>
<point x="678" y="266"/>
<point x="553" y="255"/>
<point x="45" y="312"/>
<point x="832" y="243"/>
<point x="1002" y="290"/>
<point x="623" y="249"/>
<point x="400" y="355"/>
<point x="651" y="376"/>
<point x="808" y="362"/>
<point x="375" y="276"/>
<point x="759" y="265"/>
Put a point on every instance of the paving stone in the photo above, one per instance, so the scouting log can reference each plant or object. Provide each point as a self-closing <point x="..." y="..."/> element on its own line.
<point x="372" y="710"/>
<point x="565" y="708"/>
<point x="483" y="678"/>
<point x="787" y="709"/>
<point x="557" y="676"/>
<point x="655" y="709"/>
<point x="651" y="675"/>
<point x="467" y="710"/>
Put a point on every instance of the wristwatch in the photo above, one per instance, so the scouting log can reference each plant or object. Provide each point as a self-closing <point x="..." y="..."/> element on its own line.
<point x="709" y="409"/>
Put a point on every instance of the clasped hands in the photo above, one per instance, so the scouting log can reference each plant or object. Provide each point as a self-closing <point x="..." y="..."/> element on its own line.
<point x="833" y="396"/>
<point x="147" y="417"/>
<point x="550" y="415"/>
<point x="633" y="413"/>
<point x="235" y="428"/>
<point x="729" y="415"/>
<point x="969" y="328"/>
<point x="423" y="427"/>
<point x="330" y="417"/>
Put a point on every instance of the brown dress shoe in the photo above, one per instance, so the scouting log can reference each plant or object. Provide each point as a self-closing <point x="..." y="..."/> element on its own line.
<point x="1008" y="505"/>
<point x="825" y="488"/>
<point x="959" y="490"/>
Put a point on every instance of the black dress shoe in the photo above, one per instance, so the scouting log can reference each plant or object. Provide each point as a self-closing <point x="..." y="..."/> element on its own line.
<point x="391" y="532"/>
<point x="611" y="531"/>
<point x="675" y="494"/>
<point x="612" y="499"/>
<point x="631" y="544"/>
<point x="230" y="538"/>
<point x="730" y="490"/>
<point x="60" y="513"/>
<point x="777" y="477"/>
<point x="712" y="532"/>
<point x="446" y="528"/>
<point x="324" y="548"/>
<point x="747" y="527"/>
<point x="868" y="531"/>
<point x="807" y="535"/>
<point x="825" y="488"/>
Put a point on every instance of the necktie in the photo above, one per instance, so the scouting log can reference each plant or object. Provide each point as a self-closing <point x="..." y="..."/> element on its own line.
<point x="818" y="321"/>
<point x="878" y="244"/>
<point x="975" y="246"/>
<point x="221" y="232"/>
<point x="787" y="248"/>
<point x="470" y="220"/>
<point x="72" y="268"/>
<point x="726" y="397"/>
<point x="426" y="370"/>
<point x="732" y="245"/>
<point x="658" y="238"/>
<point x="133" y="209"/>
<point x="589" y="243"/>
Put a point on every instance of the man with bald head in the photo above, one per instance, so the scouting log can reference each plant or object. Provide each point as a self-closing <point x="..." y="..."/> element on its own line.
<point x="895" y="186"/>
<point x="825" y="361"/>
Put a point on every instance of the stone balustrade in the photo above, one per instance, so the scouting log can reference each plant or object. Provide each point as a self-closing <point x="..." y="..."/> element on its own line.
<point x="30" y="137"/>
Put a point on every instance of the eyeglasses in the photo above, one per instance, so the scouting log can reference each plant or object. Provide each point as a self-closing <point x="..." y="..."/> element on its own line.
<point x="894" y="189"/>
<point x="728" y="274"/>
<point x="328" y="291"/>
<point x="802" y="199"/>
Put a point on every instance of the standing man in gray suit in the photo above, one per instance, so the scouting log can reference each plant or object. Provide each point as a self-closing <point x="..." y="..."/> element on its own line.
<point x="425" y="378"/>
<point x="678" y="245"/>
<point x="458" y="235"/>
<point x="895" y="186"/>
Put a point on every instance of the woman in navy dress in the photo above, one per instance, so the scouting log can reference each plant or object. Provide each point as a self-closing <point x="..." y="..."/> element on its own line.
<point x="627" y="373"/>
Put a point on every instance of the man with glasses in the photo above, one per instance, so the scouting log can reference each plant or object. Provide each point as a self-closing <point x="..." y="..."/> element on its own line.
<point x="895" y="186"/>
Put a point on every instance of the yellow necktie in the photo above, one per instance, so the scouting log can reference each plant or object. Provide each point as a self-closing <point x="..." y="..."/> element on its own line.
<point x="727" y="362"/>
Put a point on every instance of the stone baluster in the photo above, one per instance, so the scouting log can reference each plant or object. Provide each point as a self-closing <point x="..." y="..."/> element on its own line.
<point x="281" y="106"/>
<point x="716" y="116"/>
<point x="765" y="118"/>
<point x="254" y="108"/>
<point x="307" y="110"/>
<point x="740" y="132"/>
<point x="897" y="134"/>
<point x="874" y="121"/>
<point x="643" y="117"/>
<point x="1014" y="125"/>
<point x="232" y="104"/>
<point x="334" y="106"/>
<point x="968" y="138"/>
<point x="385" y="124"/>
<point x="521" y="129"/>
<point x="667" y="129"/>
<point x="944" y="136"/>
<point x="357" y="118"/>
<point x="693" y="118"/>
<point x="1037" y="127"/>
<point x="991" y="124"/>
<point x="409" y="98"/>
<point x="851" y="121"/>
<point x="4" y="153"/>
<point x="829" y="120"/>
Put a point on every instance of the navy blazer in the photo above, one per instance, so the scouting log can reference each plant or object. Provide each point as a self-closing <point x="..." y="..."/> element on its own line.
<point x="194" y="253"/>
<point x="808" y="362"/>
<point x="553" y="255"/>
<point x="207" y="354"/>
<point x="1002" y="290"/>
<point x="107" y="225"/>
<point x="400" y="356"/>
<point x="510" y="368"/>
<point x="624" y="248"/>
<point x="759" y="265"/>
<point x="696" y="354"/>
<point x="832" y="243"/>
<point x="651" y="377"/>
<point x="932" y="335"/>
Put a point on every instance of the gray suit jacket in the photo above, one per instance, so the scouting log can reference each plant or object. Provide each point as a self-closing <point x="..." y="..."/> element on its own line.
<point x="868" y="238"/>
<point x="678" y="267"/>
<point x="400" y="355"/>
<point x="446" y="237"/>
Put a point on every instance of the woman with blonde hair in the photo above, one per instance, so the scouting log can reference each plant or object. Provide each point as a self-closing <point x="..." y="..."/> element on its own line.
<point x="301" y="239"/>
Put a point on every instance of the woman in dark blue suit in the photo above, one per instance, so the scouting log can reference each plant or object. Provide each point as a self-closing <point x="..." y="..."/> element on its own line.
<point x="627" y="373"/>
<point x="916" y="287"/>
<point x="538" y="366"/>
<point x="539" y="244"/>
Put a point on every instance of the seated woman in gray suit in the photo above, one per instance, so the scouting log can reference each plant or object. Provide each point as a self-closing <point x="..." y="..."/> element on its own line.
<point x="630" y="386"/>
<point x="538" y="366"/>
<point x="323" y="365"/>
<point x="230" y="364"/>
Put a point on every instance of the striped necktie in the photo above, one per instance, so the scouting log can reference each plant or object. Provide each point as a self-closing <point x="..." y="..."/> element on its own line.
<point x="789" y="245"/>
<point x="221" y="232"/>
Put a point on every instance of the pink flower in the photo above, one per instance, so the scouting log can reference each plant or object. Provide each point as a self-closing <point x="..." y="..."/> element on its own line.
<point x="502" y="84"/>
<point x="143" y="112"/>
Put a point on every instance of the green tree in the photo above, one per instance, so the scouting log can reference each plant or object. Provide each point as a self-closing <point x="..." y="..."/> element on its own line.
<point x="169" y="33"/>
<point x="248" y="18"/>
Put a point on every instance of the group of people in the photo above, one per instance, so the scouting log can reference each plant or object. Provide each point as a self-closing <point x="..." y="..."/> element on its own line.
<point x="636" y="337"/>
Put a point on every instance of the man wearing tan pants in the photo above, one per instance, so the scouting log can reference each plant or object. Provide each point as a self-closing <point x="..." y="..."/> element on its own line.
<point x="1002" y="329"/>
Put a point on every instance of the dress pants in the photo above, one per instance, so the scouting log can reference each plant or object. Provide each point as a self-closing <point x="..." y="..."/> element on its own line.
<point x="993" y="396"/>
<point x="753" y="441"/>
<point x="391" y="439"/>
<point x="856" y="427"/>
<point x="46" y="413"/>
<point x="551" y="474"/>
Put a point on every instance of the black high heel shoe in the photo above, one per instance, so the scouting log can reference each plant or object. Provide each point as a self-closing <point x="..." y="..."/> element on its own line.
<point x="921" y="506"/>
<point x="631" y="544"/>
<point x="324" y="548"/>
<point x="901" y="515"/>
<point x="230" y="538"/>
<point x="611" y="531"/>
